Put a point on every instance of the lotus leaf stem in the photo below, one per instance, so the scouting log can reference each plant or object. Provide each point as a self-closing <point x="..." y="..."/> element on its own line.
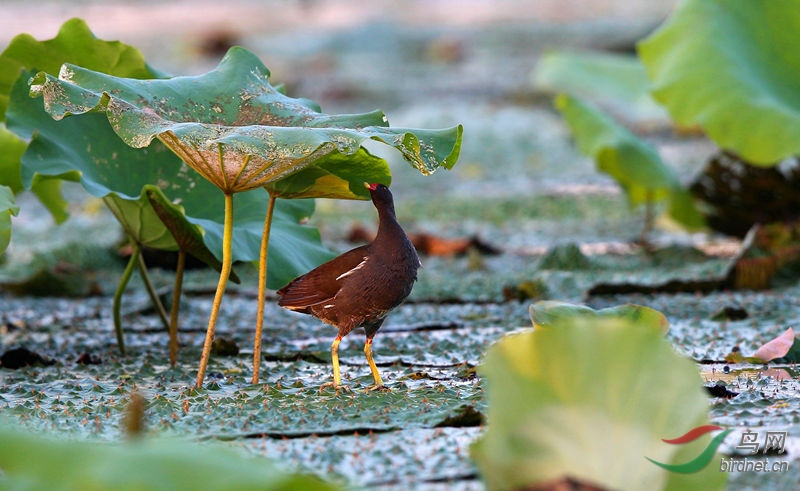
<point x="262" y="287"/>
<point x="227" y="241"/>
<point x="649" y="217"/>
<point x="123" y="283"/>
<point x="175" y="308"/>
<point x="151" y="291"/>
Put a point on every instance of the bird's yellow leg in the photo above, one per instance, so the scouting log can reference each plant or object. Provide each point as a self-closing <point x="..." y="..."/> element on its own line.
<point x="337" y="377"/>
<point x="375" y="375"/>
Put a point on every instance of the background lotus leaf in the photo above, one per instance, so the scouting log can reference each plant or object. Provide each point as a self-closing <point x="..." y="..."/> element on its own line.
<point x="12" y="148"/>
<point x="243" y="139"/>
<point x="617" y="82"/>
<point x="7" y="208"/>
<point x="632" y="162"/>
<point x="730" y="67"/>
<point x="74" y="43"/>
<point x="575" y="402"/>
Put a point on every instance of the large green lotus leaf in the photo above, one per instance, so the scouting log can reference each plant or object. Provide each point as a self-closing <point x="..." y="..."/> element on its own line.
<point x="731" y="67"/>
<point x="236" y="93"/>
<point x="74" y="43"/>
<point x="86" y="149"/>
<point x="31" y="461"/>
<point x="616" y="81"/>
<point x="7" y="208"/>
<point x="578" y="402"/>
<point x="547" y="313"/>
<point x="632" y="162"/>
<point x="243" y="138"/>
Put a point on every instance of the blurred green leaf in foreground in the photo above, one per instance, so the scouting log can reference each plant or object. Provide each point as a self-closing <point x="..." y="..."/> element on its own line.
<point x="31" y="462"/>
<point x="586" y="400"/>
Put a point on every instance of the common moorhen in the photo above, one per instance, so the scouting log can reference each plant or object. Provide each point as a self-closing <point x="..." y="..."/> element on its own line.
<point x="360" y="287"/>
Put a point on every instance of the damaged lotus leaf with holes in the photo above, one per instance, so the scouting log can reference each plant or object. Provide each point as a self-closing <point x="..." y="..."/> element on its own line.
<point x="241" y="133"/>
<point x="85" y="149"/>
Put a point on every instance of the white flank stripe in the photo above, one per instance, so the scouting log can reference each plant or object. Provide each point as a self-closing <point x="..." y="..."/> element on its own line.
<point x="348" y="273"/>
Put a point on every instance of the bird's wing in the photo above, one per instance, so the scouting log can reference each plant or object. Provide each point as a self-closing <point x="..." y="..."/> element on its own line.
<point x="322" y="283"/>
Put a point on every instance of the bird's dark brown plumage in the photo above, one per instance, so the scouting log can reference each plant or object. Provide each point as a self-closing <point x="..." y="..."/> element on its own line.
<point x="360" y="287"/>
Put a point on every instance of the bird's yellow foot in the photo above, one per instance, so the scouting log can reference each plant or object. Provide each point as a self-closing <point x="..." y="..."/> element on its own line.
<point x="335" y="386"/>
<point x="379" y="387"/>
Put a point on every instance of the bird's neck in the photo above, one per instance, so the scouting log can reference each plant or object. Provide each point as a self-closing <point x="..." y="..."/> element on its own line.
<point x="386" y="215"/>
<point x="385" y="210"/>
<point x="397" y="245"/>
<point x="387" y="221"/>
